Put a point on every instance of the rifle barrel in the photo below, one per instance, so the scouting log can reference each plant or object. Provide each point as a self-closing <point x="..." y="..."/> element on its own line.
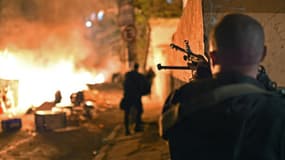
<point x="159" y="67"/>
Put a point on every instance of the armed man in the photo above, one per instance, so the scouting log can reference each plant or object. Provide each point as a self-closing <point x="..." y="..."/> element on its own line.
<point x="230" y="116"/>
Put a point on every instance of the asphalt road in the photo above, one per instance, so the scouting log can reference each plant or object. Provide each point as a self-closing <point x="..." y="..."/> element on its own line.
<point x="81" y="141"/>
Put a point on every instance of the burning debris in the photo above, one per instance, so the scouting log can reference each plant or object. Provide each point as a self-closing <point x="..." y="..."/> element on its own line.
<point x="49" y="116"/>
<point x="47" y="48"/>
<point x="8" y="95"/>
<point x="47" y="120"/>
<point x="48" y="105"/>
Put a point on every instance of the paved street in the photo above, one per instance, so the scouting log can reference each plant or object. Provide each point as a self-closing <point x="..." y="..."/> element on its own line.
<point x="101" y="138"/>
<point x="144" y="145"/>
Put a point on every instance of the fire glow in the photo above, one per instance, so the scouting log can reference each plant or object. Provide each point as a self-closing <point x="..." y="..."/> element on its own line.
<point x="38" y="83"/>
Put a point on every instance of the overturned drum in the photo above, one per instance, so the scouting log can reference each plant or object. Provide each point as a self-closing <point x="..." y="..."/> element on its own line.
<point x="49" y="120"/>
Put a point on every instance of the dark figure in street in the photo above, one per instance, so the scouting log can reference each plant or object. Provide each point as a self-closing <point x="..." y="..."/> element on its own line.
<point x="133" y="92"/>
<point x="230" y="116"/>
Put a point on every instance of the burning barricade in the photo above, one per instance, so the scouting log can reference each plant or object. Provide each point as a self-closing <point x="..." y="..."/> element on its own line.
<point x="50" y="115"/>
<point x="8" y="101"/>
<point x="27" y="89"/>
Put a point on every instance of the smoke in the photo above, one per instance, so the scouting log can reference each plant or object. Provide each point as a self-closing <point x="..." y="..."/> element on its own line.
<point x="45" y="32"/>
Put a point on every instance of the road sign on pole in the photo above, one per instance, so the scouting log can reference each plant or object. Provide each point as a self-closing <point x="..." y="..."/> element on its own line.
<point x="129" y="33"/>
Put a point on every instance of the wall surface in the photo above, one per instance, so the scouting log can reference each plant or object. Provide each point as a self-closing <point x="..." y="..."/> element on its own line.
<point x="199" y="16"/>
<point x="270" y="14"/>
<point x="167" y="31"/>
<point x="190" y="27"/>
<point x="161" y="34"/>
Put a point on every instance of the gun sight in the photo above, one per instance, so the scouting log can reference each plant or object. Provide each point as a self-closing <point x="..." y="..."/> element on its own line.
<point x="173" y="46"/>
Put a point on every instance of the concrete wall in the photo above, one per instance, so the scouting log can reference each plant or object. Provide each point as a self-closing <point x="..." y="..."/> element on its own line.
<point x="162" y="31"/>
<point x="271" y="14"/>
<point x="199" y="16"/>
<point x="167" y="31"/>
<point x="190" y="27"/>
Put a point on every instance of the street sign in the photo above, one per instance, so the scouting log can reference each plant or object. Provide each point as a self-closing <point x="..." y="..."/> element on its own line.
<point x="129" y="33"/>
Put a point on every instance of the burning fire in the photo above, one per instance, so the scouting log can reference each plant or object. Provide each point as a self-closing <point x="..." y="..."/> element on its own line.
<point x="36" y="84"/>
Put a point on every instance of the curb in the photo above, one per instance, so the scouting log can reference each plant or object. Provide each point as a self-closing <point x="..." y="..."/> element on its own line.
<point x="110" y="138"/>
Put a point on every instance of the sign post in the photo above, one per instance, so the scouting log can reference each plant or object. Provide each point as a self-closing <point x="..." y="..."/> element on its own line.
<point x="126" y="21"/>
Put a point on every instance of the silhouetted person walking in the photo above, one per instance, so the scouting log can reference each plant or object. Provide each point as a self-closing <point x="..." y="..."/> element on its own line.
<point x="132" y="98"/>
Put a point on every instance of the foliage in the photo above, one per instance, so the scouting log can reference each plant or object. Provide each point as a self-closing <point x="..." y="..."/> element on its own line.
<point x="146" y="9"/>
<point x="159" y="8"/>
<point x="143" y="37"/>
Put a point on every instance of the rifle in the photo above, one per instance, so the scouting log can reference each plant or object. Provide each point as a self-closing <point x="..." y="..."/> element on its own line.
<point x="201" y="67"/>
<point x="194" y="62"/>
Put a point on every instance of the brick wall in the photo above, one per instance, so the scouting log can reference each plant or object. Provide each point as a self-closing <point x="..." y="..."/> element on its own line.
<point x="199" y="16"/>
<point x="167" y="31"/>
<point x="190" y="27"/>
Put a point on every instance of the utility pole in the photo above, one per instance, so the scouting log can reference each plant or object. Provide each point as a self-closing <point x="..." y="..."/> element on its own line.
<point x="126" y="20"/>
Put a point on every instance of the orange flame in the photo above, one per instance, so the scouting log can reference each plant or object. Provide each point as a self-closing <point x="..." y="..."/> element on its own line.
<point x="37" y="84"/>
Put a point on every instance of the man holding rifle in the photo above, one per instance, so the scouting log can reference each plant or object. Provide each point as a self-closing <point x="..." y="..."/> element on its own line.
<point x="230" y="116"/>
